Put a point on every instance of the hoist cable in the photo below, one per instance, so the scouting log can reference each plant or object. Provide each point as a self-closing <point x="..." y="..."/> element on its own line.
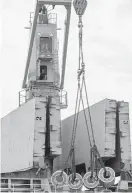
<point x="79" y="90"/>
<point x="96" y="167"/>
<point x="78" y="112"/>
<point x="83" y="65"/>
<point x="91" y="160"/>
<point x="86" y="120"/>
<point x="93" y="167"/>
<point x="80" y="25"/>
<point x="79" y="53"/>
<point x="74" y="130"/>
<point x="74" y="122"/>
<point x="71" y="152"/>
<point x="73" y="166"/>
<point x="89" y="111"/>
<point x="79" y="99"/>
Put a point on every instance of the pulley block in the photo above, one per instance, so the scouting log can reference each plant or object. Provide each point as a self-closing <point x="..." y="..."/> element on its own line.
<point x="80" y="6"/>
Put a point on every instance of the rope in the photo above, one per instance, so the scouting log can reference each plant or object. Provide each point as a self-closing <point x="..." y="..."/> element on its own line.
<point x="79" y="50"/>
<point x="77" y="107"/>
<point x="89" y="112"/>
<point x="74" y="122"/>
<point x="84" y="111"/>
<point x="95" y="151"/>
<point x="77" y="113"/>
<point x="79" y="99"/>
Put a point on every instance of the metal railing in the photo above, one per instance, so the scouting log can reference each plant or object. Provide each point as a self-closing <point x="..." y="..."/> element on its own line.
<point x="32" y="188"/>
<point x="62" y="96"/>
<point x="63" y="99"/>
<point x="22" y="97"/>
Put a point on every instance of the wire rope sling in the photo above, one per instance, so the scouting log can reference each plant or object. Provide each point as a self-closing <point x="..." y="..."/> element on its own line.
<point x="106" y="174"/>
<point x="90" y="179"/>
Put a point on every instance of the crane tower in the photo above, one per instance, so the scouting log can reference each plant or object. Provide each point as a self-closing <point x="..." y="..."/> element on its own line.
<point x="28" y="151"/>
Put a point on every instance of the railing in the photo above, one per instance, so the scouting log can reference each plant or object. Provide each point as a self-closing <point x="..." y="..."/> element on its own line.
<point x="63" y="99"/>
<point x="62" y="96"/>
<point x="14" y="188"/>
<point x="24" y="188"/>
<point x="22" y="97"/>
<point x="31" y="185"/>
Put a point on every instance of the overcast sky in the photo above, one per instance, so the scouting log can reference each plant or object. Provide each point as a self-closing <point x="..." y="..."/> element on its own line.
<point x="107" y="51"/>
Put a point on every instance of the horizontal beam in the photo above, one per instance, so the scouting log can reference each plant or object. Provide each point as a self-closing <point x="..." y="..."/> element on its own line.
<point x="55" y="2"/>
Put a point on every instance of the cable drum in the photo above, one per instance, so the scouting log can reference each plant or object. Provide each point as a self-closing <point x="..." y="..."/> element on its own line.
<point x="89" y="182"/>
<point x="59" y="178"/>
<point x="107" y="180"/>
<point x="78" y="182"/>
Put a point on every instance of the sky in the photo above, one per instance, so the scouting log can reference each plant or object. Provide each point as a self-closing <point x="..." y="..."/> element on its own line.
<point x="107" y="44"/>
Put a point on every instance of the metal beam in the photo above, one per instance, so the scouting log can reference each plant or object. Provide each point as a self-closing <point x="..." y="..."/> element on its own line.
<point x="66" y="34"/>
<point x="31" y="43"/>
<point x="55" y="2"/>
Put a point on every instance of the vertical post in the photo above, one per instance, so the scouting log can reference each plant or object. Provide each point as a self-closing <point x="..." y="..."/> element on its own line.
<point x="118" y="146"/>
<point x="73" y="165"/>
<point x="13" y="188"/>
<point x="31" y="183"/>
<point x="19" y="98"/>
<point x="66" y="100"/>
<point x="48" y="159"/>
<point x="49" y="163"/>
<point x="61" y="97"/>
<point x="9" y="185"/>
<point x="47" y="134"/>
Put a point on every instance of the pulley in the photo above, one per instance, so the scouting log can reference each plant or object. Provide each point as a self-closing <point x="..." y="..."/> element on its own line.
<point x="59" y="178"/>
<point x="80" y="6"/>
<point x="90" y="182"/>
<point x="77" y="183"/>
<point x="109" y="179"/>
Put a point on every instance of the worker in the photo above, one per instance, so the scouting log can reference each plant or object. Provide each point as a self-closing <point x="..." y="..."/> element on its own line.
<point x="43" y="75"/>
<point x="43" y="12"/>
